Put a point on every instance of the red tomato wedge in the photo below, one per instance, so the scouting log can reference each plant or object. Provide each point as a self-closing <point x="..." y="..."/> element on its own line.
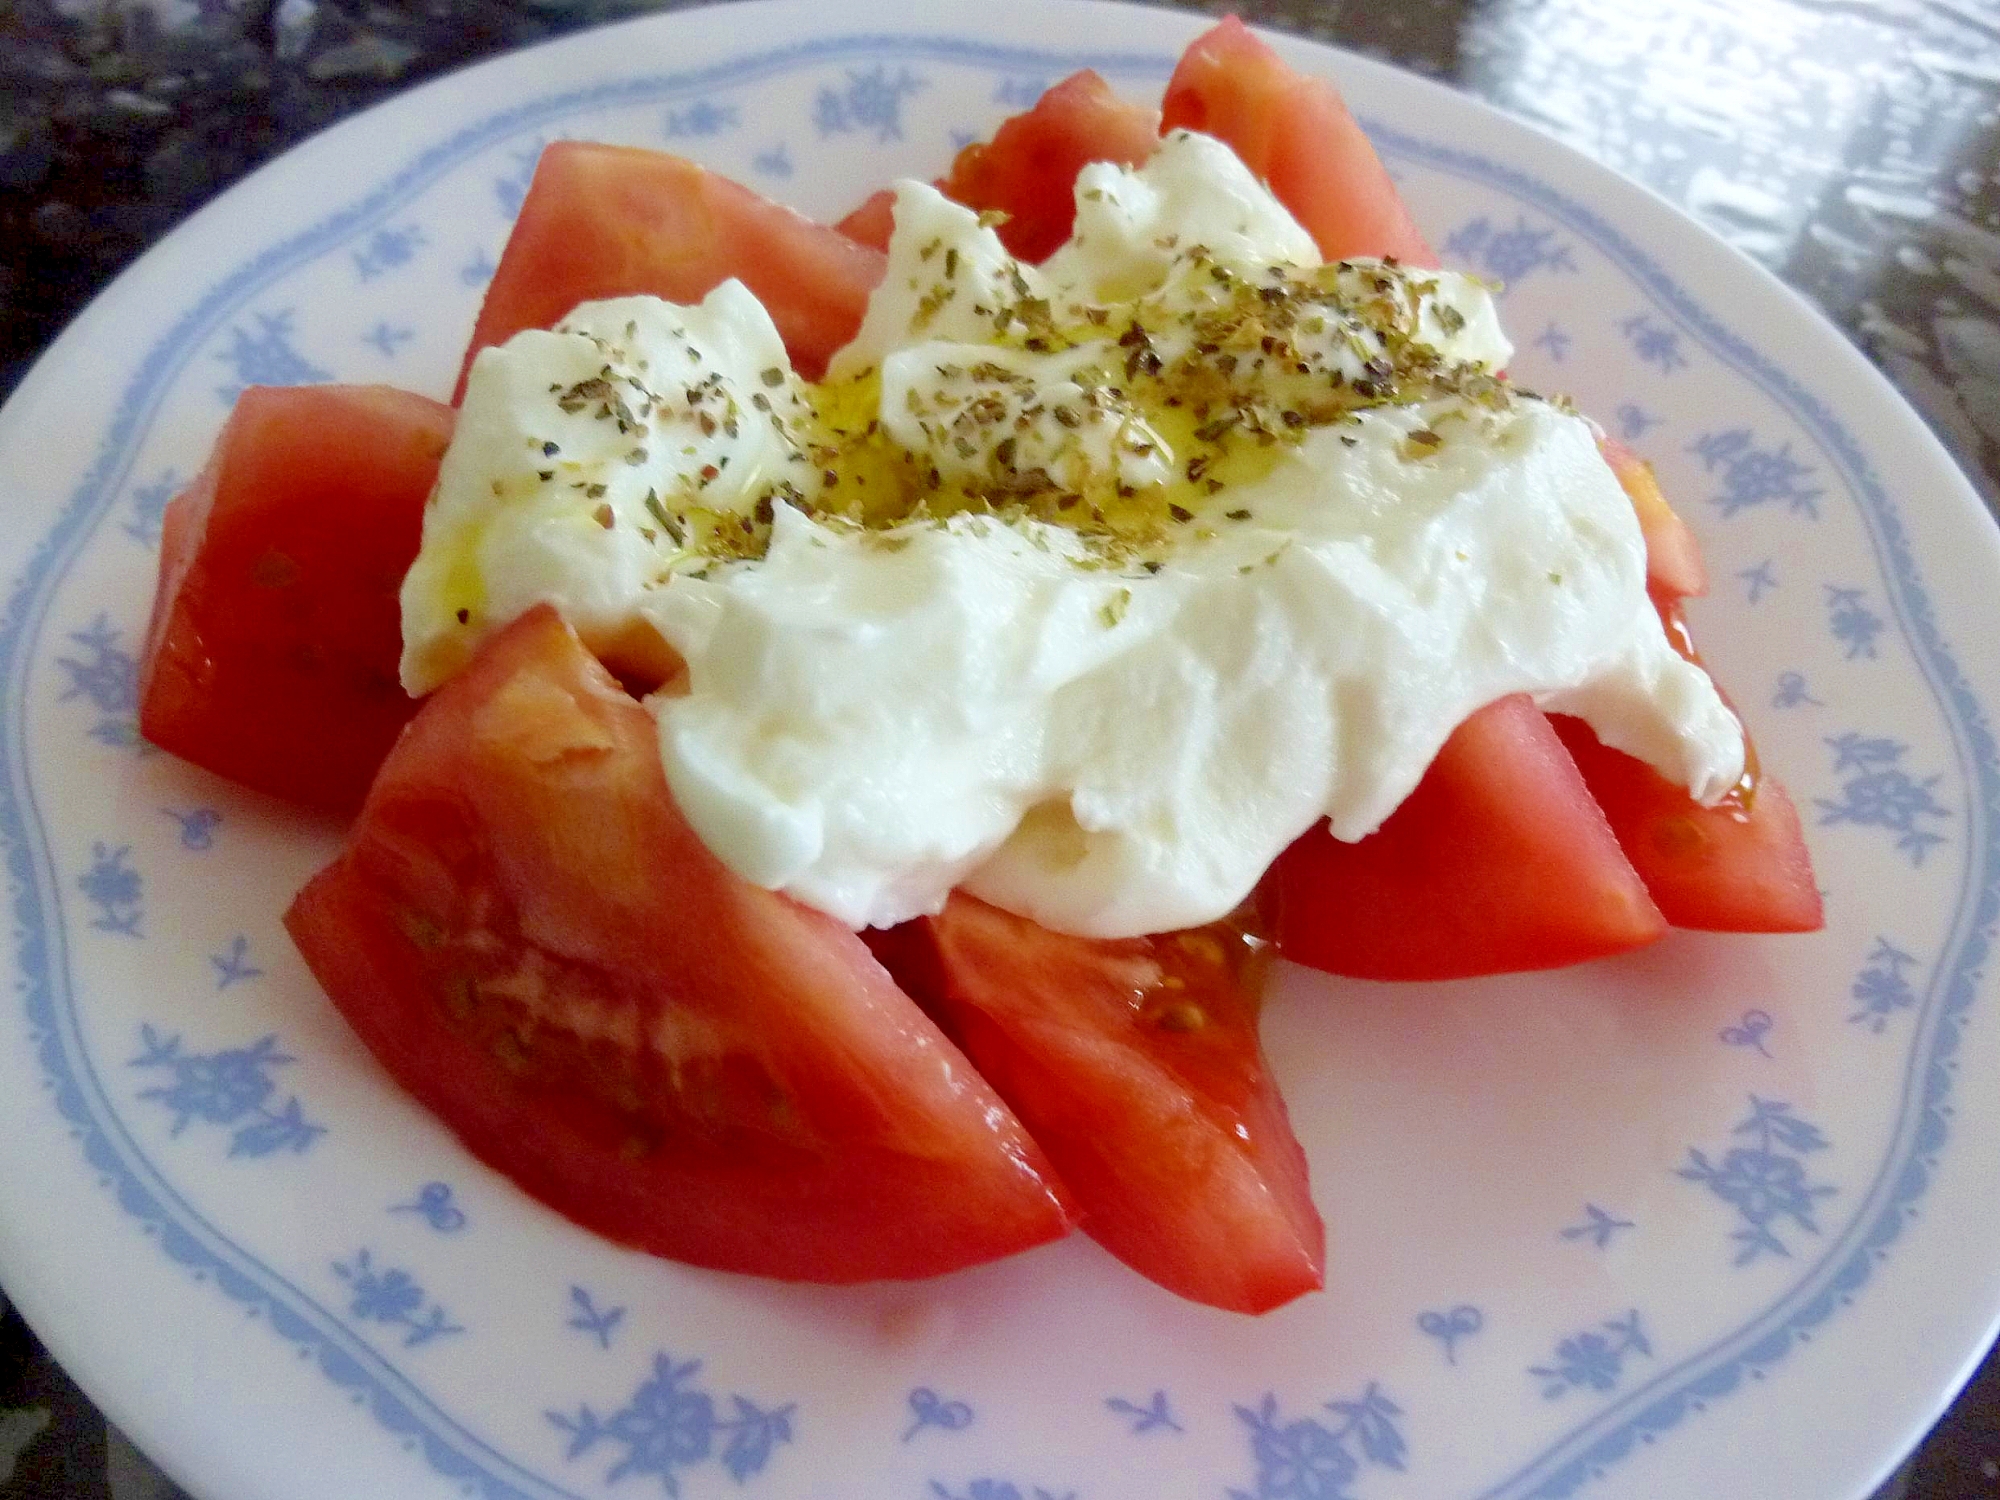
<point x="616" y="221"/>
<point x="1028" y="170"/>
<point x="272" y="654"/>
<point x="1740" y="866"/>
<point x="872" y="221"/>
<point x="1136" y="1065"/>
<point x="1294" y="132"/>
<point x="1674" y="568"/>
<point x="1499" y="861"/>
<point x="533" y="941"/>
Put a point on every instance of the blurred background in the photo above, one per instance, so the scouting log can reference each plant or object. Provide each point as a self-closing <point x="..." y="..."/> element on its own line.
<point x="1850" y="146"/>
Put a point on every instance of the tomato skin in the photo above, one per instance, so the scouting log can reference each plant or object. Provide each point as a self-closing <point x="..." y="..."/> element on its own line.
<point x="1028" y="169"/>
<point x="276" y="633"/>
<point x="615" y="221"/>
<point x="872" y="221"/>
<point x="532" y="940"/>
<point x="1498" y="862"/>
<point x="1294" y="132"/>
<point x="181" y="524"/>
<point x="1740" y="866"/>
<point x="1136" y="1065"/>
<point x="1674" y="568"/>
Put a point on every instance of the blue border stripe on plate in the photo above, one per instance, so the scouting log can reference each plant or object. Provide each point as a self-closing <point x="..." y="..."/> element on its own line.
<point x="403" y="1407"/>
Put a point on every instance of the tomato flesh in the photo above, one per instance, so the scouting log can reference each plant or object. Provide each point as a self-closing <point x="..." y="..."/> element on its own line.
<point x="1294" y="132"/>
<point x="1499" y="861"/>
<point x="1028" y="170"/>
<point x="1673" y="557"/>
<point x="1136" y="1065"/>
<point x="617" y="221"/>
<point x="276" y="632"/>
<point x="872" y="221"/>
<point x="533" y="941"/>
<point x="1740" y="866"/>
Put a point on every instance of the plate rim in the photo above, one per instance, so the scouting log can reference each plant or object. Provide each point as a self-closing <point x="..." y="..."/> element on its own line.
<point x="105" y="477"/>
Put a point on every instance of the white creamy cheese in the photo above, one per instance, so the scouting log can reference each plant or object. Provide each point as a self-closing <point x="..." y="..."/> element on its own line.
<point x="543" y="494"/>
<point x="868" y="729"/>
<point x="1110" y="725"/>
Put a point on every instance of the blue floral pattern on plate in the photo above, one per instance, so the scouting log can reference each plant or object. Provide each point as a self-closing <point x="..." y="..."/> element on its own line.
<point x="1593" y="1360"/>
<point x="262" y="352"/>
<point x="115" y="889"/>
<point x="868" y="100"/>
<point x="1597" y="1228"/>
<point x="393" y="1296"/>
<point x="1766" y="1179"/>
<point x="116" y="936"/>
<point x="1756" y="1025"/>
<point x="1451" y="1325"/>
<point x="929" y="1409"/>
<point x="1309" y="1459"/>
<point x="435" y="1206"/>
<point x="1154" y="1416"/>
<point x="231" y="1086"/>
<point x="1508" y="254"/>
<point x="670" y="1424"/>
<point x="105" y="675"/>
<point x="1880" y="793"/>
<point x="587" y="1317"/>
<point x="1746" y="475"/>
<point x="1883" y="988"/>
<point x="149" y="505"/>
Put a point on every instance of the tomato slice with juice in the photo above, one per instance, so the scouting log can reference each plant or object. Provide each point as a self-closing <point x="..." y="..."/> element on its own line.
<point x="531" y="939"/>
<point x="1295" y="132"/>
<point x="1026" y="171"/>
<point x="276" y="633"/>
<point x="1136" y="1065"/>
<point x="1740" y="866"/>
<point x="616" y="221"/>
<point x="1498" y="861"/>
<point x="1674" y="568"/>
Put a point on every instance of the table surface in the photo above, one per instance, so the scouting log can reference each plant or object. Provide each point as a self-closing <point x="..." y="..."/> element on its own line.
<point x="1852" y="146"/>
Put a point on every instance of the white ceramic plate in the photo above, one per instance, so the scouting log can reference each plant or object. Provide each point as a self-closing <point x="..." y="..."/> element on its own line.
<point x="1713" y="1220"/>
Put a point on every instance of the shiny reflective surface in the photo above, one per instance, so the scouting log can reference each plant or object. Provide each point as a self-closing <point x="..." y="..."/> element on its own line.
<point x="1852" y="147"/>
